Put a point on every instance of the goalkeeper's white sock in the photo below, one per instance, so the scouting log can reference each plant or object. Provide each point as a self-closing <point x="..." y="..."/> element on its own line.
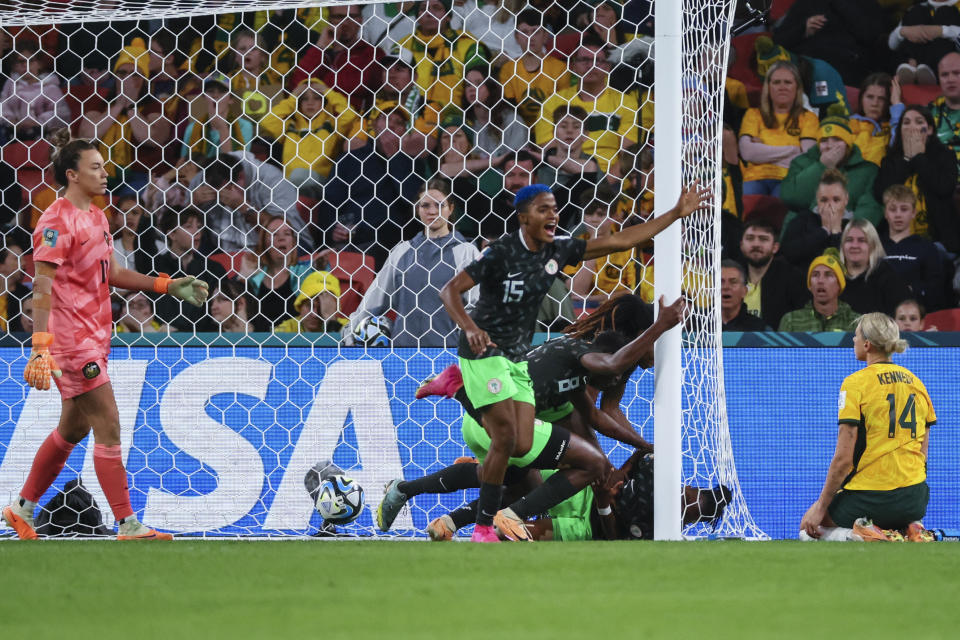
<point x="839" y="534"/>
<point x="831" y="534"/>
<point x="24" y="508"/>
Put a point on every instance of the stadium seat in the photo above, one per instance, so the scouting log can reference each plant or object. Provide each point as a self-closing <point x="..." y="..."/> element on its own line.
<point x="356" y="272"/>
<point x="29" y="179"/>
<point x="767" y="208"/>
<point x="779" y="8"/>
<point x="745" y="69"/>
<point x="83" y="97"/>
<point x="28" y="155"/>
<point x="305" y="207"/>
<point x="231" y="262"/>
<point x="853" y="98"/>
<point x="920" y="93"/>
<point x="946" y="320"/>
<point x="564" y="44"/>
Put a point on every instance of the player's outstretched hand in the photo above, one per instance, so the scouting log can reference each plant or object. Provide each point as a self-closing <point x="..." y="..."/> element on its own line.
<point x="41" y="364"/>
<point x="189" y="289"/>
<point x="673" y="314"/>
<point x="479" y="340"/>
<point x="692" y="198"/>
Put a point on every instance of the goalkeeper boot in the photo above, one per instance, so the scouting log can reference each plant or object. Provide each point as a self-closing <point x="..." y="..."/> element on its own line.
<point x="446" y="383"/>
<point x="509" y="525"/>
<point x="442" y="529"/>
<point x="465" y="460"/>
<point x="19" y="517"/>
<point x="390" y="506"/>
<point x="132" y="529"/>
<point x="870" y="532"/>
<point x="917" y="533"/>
<point x="483" y="533"/>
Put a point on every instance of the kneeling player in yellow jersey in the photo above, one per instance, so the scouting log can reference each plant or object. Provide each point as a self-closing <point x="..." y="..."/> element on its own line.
<point x="876" y="486"/>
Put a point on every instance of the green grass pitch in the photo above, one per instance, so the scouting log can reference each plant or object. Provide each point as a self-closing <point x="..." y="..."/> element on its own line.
<point x="384" y="589"/>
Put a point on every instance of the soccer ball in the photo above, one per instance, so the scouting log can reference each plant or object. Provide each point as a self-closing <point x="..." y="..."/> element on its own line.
<point x="339" y="500"/>
<point x="373" y="332"/>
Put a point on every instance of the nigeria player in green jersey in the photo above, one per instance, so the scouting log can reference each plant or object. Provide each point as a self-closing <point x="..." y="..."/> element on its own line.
<point x="566" y="411"/>
<point x="514" y="274"/>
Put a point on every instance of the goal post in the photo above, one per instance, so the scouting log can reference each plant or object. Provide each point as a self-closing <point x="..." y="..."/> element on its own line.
<point x="223" y="413"/>
<point x="668" y="374"/>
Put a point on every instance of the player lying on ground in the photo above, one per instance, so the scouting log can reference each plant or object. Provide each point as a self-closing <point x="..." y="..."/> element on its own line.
<point x="876" y="487"/>
<point x="620" y="509"/>
<point x="566" y="411"/>
<point x="71" y="337"/>
<point x="514" y="274"/>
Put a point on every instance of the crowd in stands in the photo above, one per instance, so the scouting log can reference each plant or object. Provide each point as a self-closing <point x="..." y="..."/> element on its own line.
<point x="321" y="166"/>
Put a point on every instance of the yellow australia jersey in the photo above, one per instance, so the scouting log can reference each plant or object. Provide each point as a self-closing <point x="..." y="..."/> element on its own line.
<point x="439" y="62"/>
<point x="752" y="125"/>
<point x="313" y="144"/>
<point x="529" y="89"/>
<point x="611" y="122"/>
<point x="873" y="143"/>
<point x="891" y="409"/>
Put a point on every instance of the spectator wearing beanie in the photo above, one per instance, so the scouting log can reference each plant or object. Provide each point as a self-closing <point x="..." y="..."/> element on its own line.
<point x="825" y="311"/>
<point x="835" y="150"/>
<point x="317" y="306"/>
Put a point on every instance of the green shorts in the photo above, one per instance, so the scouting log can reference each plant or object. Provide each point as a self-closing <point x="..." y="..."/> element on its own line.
<point x="556" y="414"/>
<point x="478" y="440"/>
<point x="571" y="518"/>
<point x="493" y="379"/>
<point x="893" y="509"/>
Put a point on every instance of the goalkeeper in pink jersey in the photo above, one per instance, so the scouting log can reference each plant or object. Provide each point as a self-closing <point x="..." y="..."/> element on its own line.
<point x="71" y="337"/>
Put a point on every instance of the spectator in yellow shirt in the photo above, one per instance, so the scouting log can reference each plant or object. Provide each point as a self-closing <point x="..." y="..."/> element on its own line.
<point x="316" y="125"/>
<point x="530" y="79"/>
<point x="776" y="133"/>
<point x="878" y="114"/>
<point x="255" y="78"/>
<point x="439" y="55"/>
<point x="611" y="115"/>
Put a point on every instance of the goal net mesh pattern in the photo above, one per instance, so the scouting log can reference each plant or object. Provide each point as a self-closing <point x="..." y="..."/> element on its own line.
<point x="290" y="154"/>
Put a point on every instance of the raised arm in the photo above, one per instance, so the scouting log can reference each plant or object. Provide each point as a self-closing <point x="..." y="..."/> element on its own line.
<point x="632" y="352"/>
<point x="840" y="466"/>
<point x="692" y="198"/>
<point x="451" y="296"/>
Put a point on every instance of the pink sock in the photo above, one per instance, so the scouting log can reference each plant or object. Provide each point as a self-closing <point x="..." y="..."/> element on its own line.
<point x="108" y="463"/>
<point x="47" y="465"/>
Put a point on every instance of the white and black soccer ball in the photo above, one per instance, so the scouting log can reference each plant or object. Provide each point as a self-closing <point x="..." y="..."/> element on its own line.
<point x="339" y="499"/>
<point x="373" y="332"/>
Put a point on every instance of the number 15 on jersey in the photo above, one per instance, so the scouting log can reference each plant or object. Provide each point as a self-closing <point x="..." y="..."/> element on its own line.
<point x="512" y="290"/>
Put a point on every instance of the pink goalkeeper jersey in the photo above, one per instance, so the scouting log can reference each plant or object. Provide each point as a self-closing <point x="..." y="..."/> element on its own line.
<point x="79" y="243"/>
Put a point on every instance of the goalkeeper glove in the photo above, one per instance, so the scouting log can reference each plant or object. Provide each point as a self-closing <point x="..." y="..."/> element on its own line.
<point x="41" y="363"/>
<point x="188" y="288"/>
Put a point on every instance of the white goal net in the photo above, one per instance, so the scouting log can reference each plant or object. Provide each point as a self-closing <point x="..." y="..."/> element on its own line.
<point x="326" y="168"/>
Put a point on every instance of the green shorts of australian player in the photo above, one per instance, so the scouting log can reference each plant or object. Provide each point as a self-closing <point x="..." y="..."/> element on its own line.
<point x="549" y="444"/>
<point x="494" y="379"/>
<point x="894" y="509"/>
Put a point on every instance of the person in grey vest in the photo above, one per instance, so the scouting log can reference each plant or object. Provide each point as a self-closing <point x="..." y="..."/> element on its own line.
<point x="409" y="282"/>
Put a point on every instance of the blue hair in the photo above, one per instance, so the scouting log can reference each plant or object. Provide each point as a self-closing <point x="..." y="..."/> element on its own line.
<point x="527" y="194"/>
